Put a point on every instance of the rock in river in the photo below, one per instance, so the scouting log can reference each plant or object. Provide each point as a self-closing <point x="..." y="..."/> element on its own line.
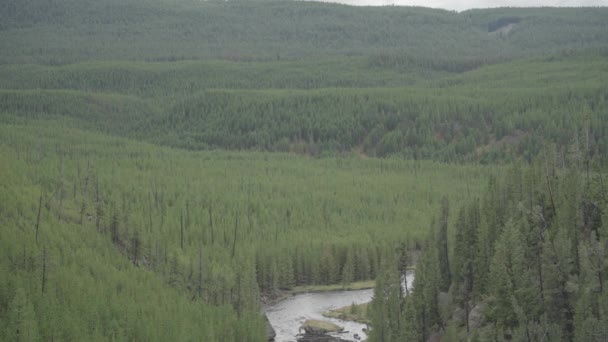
<point x="316" y="327"/>
<point x="316" y="330"/>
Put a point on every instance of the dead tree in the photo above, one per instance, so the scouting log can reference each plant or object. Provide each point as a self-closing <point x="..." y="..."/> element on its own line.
<point x="38" y="218"/>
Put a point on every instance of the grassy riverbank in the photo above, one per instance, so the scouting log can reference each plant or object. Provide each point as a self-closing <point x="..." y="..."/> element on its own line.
<point x="354" y="312"/>
<point x="354" y="286"/>
<point x="277" y="296"/>
<point x="358" y="285"/>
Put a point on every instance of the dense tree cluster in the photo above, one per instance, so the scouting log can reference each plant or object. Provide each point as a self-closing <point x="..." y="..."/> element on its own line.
<point x="528" y="262"/>
<point x="118" y="239"/>
<point x="68" y="31"/>
<point x="378" y="81"/>
<point x="494" y="113"/>
<point x="123" y="217"/>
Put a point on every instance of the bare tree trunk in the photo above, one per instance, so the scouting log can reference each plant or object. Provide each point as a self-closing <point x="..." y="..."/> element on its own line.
<point x="187" y="214"/>
<point x="249" y="207"/>
<point x="200" y="272"/>
<point x="149" y="212"/>
<point x="44" y="257"/>
<point x="540" y="273"/>
<point x="599" y="277"/>
<point x="587" y="147"/>
<point x="38" y="219"/>
<point x="210" y="209"/>
<point x="276" y="233"/>
<point x="602" y="180"/>
<point x="60" y="187"/>
<point x="97" y="212"/>
<point x="60" y="214"/>
<point x="238" y="294"/>
<point x="181" y="229"/>
<point x="548" y="183"/>
<point x="236" y="226"/>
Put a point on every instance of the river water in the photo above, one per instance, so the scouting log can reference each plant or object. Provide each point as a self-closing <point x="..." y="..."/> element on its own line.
<point x="289" y="314"/>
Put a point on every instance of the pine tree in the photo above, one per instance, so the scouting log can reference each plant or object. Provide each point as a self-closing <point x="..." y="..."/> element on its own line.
<point x="502" y="284"/>
<point x="424" y="297"/>
<point x="465" y="255"/>
<point x="348" y="270"/>
<point x="403" y="263"/>
<point x="591" y="316"/>
<point x="386" y="305"/>
<point x="286" y="277"/>
<point x="445" y="276"/>
<point x="378" y="313"/>
<point x="115" y="229"/>
<point x="409" y="328"/>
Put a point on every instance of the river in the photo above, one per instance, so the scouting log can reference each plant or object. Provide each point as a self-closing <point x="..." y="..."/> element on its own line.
<point x="289" y="314"/>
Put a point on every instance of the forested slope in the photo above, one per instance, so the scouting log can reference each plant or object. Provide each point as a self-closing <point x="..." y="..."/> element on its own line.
<point x="524" y="262"/>
<point x="497" y="112"/>
<point x="75" y="268"/>
<point x="105" y="238"/>
<point x="67" y="31"/>
<point x="124" y="217"/>
<point x="310" y="77"/>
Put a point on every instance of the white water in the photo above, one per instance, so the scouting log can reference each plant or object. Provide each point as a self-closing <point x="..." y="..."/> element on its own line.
<point x="288" y="315"/>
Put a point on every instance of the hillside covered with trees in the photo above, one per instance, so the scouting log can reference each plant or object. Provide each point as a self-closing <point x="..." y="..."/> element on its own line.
<point x="95" y="227"/>
<point x="68" y="31"/>
<point x="527" y="261"/>
<point x="168" y="166"/>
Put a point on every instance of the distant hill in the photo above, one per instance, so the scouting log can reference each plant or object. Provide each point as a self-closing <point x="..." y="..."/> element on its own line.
<point x="111" y="230"/>
<point x="308" y="77"/>
<point x="494" y="112"/>
<point x="67" y="31"/>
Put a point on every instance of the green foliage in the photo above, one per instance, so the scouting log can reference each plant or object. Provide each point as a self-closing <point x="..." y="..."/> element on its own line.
<point x="107" y="237"/>
<point x="369" y="80"/>
<point x="426" y="303"/>
<point x="348" y="270"/>
<point x="386" y="305"/>
<point x="21" y="325"/>
<point x="544" y="227"/>
<point x="487" y="114"/>
<point x="36" y="31"/>
<point x="160" y="223"/>
<point x="353" y="309"/>
<point x="445" y="274"/>
<point x="508" y="281"/>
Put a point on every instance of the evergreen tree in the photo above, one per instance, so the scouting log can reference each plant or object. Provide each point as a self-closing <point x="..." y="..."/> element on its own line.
<point x="591" y="310"/>
<point x="409" y="326"/>
<point x="465" y="255"/>
<point x="379" y="313"/>
<point x="424" y="298"/>
<point x="386" y="305"/>
<point x="505" y="269"/>
<point x="286" y="276"/>
<point x="348" y="269"/>
<point x="442" y="248"/>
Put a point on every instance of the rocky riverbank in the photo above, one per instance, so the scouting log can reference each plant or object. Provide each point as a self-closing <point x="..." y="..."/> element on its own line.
<point x="318" y="330"/>
<point x="320" y="338"/>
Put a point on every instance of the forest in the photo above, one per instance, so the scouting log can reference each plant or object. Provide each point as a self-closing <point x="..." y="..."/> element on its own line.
<point x="169" y="167"/>
<point x="486" y="115"/>
<point x="90" y="220"/>
<point x="527" y="261"/>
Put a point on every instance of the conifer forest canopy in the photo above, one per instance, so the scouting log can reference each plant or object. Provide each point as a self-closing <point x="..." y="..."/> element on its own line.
<point x="167" y="166"/>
